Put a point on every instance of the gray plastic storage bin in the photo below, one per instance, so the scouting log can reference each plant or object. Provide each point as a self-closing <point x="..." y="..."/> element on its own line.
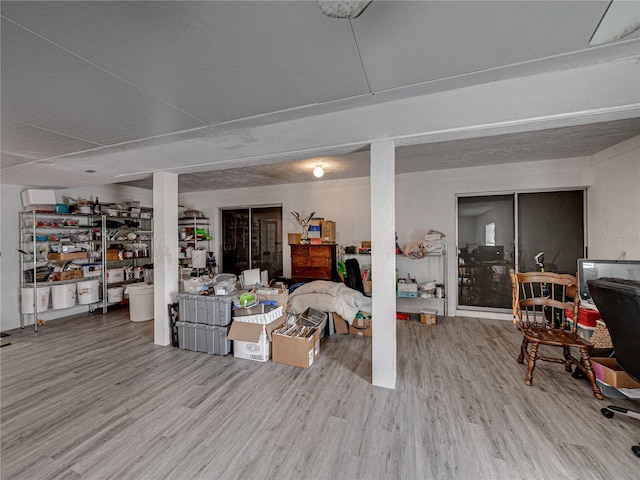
<point x="206" y="309"/>
<point x="186" y="335"/>
<point x="203" y="338"/>
<point x="222" y="345"/>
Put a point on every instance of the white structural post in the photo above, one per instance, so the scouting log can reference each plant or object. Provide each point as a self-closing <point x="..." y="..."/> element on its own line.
<point x="383" y="263"/>
<point x="165" y="252"/>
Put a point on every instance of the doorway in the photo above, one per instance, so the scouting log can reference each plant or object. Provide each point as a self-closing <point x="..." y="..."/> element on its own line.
<point x="252" y="238"/>
<point x="499" y="232"/>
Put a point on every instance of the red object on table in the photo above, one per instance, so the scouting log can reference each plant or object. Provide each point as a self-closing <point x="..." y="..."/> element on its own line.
<point x="587" y="317"/>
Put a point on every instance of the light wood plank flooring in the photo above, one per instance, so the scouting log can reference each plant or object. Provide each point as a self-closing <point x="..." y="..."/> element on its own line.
<point x="91" y="397"/>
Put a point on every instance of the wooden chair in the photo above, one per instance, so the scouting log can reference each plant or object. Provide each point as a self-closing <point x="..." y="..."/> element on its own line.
<point x="539" y="303"/>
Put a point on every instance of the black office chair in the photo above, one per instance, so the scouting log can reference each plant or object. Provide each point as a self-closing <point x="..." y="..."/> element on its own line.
<point x="618" y="301"/>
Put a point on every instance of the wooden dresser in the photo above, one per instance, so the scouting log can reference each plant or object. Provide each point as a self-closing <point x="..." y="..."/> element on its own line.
<point x="313" y="262"/>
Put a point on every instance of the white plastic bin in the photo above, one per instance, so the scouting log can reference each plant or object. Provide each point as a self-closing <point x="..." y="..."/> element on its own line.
<point x="88" y="292"/>
<point x="63" y="296"/>
<point x="114" y="295"/>
<point x="29" y="302"/>
<point x="140" y="302"/>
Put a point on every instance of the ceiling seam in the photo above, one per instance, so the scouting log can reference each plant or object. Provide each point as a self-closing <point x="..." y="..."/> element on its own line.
<point x="105" y="70"/>
<point x="55" y="132"/>
<point x="364" y="70"/>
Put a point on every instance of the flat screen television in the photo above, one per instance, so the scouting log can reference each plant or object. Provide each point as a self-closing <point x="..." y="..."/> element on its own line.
<point x="490" y="253"/>
<point x="589" y="269"/>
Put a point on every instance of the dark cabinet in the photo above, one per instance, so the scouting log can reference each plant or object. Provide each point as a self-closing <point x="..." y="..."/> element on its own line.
<point x="313" y="262"/>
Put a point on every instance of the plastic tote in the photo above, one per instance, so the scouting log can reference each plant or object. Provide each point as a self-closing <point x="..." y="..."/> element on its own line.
<point x="63" y="296"/>
<point x="29" y="302"/>
<point x="88" y="292"/>
<point x="140" y="302"/>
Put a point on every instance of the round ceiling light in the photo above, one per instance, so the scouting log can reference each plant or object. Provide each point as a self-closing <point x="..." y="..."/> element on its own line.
<point x="318" y="171"/>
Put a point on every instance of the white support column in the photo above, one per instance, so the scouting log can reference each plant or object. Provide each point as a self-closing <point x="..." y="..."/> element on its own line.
<point x="165" y="252"/>
<point x="383" y="263"/>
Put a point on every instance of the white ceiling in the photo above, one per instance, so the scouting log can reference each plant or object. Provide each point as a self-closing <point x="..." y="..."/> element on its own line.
<point x="208" y="89"/>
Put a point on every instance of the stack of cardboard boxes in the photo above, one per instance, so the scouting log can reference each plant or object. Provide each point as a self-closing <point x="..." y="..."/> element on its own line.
<point x="320" y="231"/>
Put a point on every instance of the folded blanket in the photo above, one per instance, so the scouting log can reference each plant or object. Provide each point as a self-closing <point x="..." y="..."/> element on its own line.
<point x="328" y="297"/>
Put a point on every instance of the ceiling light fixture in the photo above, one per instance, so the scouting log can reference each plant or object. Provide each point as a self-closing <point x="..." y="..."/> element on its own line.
<point x="318" y="171"/>
<point x="343" y="9"/>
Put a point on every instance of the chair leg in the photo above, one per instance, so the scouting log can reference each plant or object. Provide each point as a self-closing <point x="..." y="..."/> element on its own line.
<point x="588" y="369"/>
<point x="523" y="350"/>
<point x="531" y="362"/>
<point x="567" y="359"/>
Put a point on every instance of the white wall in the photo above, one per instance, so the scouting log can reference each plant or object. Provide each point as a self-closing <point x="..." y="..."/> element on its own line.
<point x="347" y="202"/>
<point x="10" y="237"/>
<point x="11" y="204"/>
<point x="424" y="201"/>
<point x="614" y="203"/>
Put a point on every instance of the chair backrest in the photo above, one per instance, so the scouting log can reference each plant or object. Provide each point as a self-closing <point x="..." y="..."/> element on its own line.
<point x="618" y="302"/>
<point x="541" y="299"/>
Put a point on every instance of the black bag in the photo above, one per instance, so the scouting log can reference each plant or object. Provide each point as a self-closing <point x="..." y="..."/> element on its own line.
<point x="354" y="278"/>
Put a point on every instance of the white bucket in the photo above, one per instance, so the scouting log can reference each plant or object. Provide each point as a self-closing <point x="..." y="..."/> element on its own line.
<point x="140" y="302"/>
<point x="114" y="294"/>
<point x="63" y="296"/>
<point x="28" y="301"/>
<point x="88" y="292"/>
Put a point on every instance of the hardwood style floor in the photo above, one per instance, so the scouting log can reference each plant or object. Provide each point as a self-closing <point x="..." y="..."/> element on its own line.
<point x="91" y="397"/>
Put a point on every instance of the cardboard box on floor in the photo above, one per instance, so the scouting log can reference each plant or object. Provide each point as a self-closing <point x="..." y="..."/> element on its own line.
<point x="251" y="341"/>
<point x="608" y="371"/>
<point x="428" y="317"/>
<point x="299" y="352"/>
<point x="360" y="326"/>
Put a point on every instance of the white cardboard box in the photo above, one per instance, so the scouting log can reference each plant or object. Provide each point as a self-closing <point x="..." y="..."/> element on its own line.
<point x="252" y="340"/>
<point x="259" y="351"/>
<point x="115" y="275"/>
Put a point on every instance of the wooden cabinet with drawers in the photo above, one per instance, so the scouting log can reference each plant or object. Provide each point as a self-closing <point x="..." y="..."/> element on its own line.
<point x="313" y="262"/>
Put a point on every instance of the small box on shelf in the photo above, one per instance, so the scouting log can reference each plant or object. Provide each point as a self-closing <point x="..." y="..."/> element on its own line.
<point x="113" y="255"/>
<point x="67" y="275"/>
<point x="66" y="256"/>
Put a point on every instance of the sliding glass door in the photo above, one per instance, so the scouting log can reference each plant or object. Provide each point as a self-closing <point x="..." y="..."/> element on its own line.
<point x="486" y="239"/>
<point x="252" y="238"/>
<point x="499" y="232"/>
<point x="551" y="223"/>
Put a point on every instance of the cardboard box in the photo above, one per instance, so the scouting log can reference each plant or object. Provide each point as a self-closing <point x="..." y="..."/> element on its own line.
<point x="67" y="275"/>
<point x="296" y="351"/>
<point x="293" y="238"/>
<point x="115" y="275"/>
<point x="428" y="317"/>
<point x="360" y="326"/>
<point x="328" y="231"/>
<point x="340" y="325"/>
<point x="92" y="270"/>
<point x="112" y="255"/>
<point x="251" y="340"/>
<point x="608" y="371"/>
<point x="66" y="256"/>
